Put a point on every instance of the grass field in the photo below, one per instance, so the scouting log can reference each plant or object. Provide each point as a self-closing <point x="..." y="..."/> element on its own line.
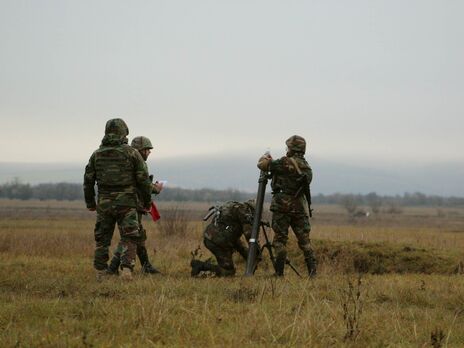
<point x="386" y="281"/>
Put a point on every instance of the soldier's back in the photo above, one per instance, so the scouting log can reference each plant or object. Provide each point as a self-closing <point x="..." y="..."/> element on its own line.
<point x="287" y="178"/>
<point x="116" y="174"/>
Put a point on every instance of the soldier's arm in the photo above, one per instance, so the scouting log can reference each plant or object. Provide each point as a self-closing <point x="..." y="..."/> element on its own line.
<point x="241" y="248"/>
<point x="244" y="250"/>
<point x="89" y="184"/>
<point x="142" y="179"/>
<point x="268" y="164"/>
<point x="277" y="166"/>
<point x="247" y="230"/>
<point x="309" y="175"/>
<point x="156" y="186"/>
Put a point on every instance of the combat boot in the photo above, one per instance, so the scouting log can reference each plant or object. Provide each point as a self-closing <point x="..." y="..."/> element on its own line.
<point x="197" y="267"/>
<point x="311" y="264"/>
<point x="126" y="274"/>
<point x="279" y="267"/>
<point x="216" y="269"/>
<point x="113" y="268"/>
<point x="147" y="267"/>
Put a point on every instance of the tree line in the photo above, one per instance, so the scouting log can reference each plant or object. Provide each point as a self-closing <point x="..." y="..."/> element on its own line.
<point x="71" y="191"/>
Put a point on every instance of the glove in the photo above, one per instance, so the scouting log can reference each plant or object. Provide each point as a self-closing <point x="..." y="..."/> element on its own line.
<point x="264" y="161"/>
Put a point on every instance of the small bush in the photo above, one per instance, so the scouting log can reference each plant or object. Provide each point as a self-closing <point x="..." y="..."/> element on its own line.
<point x="352" y="301"/>
<point x="437" y="338"/>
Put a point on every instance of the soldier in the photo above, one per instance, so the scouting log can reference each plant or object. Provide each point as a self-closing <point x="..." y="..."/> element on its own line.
<point x="118" y="170"/>
<point x="289" y="206"/>
<point x="223" y="237"/>
<point x="143" y="146"/>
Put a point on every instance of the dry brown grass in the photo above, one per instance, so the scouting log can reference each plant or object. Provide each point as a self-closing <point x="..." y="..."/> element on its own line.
<point x="49" y="296"/>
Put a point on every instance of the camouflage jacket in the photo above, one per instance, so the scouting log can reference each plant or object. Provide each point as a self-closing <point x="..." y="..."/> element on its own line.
<point x="120" y="174"/>
<point x="285" y="184"/>
<point x="140" y="206"/>
<point x="232" y="220"/>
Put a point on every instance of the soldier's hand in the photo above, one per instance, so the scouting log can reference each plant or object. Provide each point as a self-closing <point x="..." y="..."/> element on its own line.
<point x="263" y="162"/>
<point x="157" y="187"/>
<point x="92" y="209"/>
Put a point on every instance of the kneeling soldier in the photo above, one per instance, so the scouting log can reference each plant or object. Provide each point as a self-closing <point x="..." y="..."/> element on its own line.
<point x="223" y="235"/>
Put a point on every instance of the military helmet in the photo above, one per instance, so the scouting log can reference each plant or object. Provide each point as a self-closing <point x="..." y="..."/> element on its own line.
<point x="141" y="143"/>
<point x="296" y="144"/>
<point x="117" y="126"/>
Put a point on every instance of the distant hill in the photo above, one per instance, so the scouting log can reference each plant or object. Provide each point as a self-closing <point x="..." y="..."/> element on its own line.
<point x="240" y="172"/>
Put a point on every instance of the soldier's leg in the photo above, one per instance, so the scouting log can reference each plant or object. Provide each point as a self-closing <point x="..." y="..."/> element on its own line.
<point x="129" y="230"/>
<point x="141" y="249"/>
<point x="301" y="227"/>
<point x="280" y="224"/>
<point x="225" y="266"/>
<point x="115" y="261"/>
<point x="198" y="265"/>
<point x="242" y="250"/>
<point x="142" y="253"/>
<point x="104" y="228"/>
<point x="147" y="267"/>
<point x="226" y="263"/>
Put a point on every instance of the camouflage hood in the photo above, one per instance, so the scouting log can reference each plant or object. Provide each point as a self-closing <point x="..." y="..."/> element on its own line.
<point x="113" y="139"/>
<point x="116" y="132"/>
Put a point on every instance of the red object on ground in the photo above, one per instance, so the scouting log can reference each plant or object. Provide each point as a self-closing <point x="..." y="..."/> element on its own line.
<point x="155" y="215"/>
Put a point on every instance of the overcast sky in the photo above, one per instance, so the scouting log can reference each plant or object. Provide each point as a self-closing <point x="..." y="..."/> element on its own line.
<point x="373" y="80"/>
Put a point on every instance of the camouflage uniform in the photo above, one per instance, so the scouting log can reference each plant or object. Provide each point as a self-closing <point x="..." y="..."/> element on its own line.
<point x="118" y="170"/>
<point x="138" y="143"/>
<point x="288" y="209"/>
<point x="223" y="237"/>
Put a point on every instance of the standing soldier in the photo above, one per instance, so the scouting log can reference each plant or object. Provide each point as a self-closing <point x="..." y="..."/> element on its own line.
<point x="223" y="237"/>
<point x="143" y="146"/>
<point x="290" y="175"/>
<point x="119" y="172"/>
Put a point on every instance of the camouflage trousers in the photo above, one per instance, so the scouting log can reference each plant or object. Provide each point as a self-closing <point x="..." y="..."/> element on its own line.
<point x="223" y="256"/>
<point x="126" y="219"/>
<point x="139" y="241"/>
<point x="300" y="226"/>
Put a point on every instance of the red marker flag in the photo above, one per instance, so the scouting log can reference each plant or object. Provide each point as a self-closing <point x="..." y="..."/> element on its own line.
<point x="155" y="215"/>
